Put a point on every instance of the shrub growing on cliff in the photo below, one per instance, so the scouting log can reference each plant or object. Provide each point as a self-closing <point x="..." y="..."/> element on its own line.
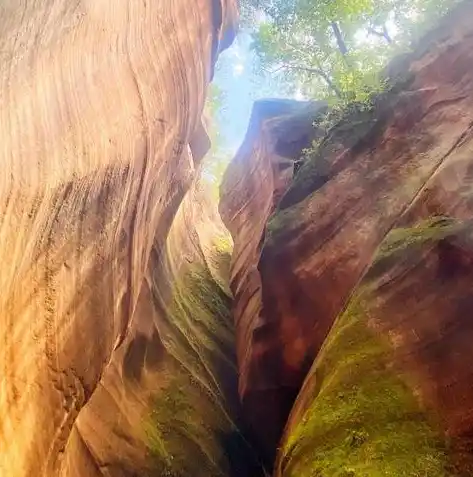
<point x="217" y="160"/>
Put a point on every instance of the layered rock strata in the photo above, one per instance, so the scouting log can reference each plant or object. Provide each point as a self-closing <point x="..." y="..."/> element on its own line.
<point x="101" y="139"/>
<point x="253" y="183"/>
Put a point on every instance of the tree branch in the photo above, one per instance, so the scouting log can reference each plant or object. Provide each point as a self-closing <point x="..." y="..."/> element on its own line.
<point x="383" y="34"/>
<point x="318" y="72"/>
<point x="339" y="37"/>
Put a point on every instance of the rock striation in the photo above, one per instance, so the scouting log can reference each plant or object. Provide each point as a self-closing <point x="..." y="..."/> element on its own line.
<point x="355" y="284"/>
<point x="167" y="402"/>
<point x="349" y="283"/>
<point x="108" y="339"/>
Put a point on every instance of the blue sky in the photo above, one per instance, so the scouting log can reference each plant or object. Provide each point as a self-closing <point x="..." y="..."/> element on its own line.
<point x="236" y="75"/>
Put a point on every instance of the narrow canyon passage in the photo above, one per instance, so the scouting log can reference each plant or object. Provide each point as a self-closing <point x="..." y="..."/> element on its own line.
<point x="307" y="314"/>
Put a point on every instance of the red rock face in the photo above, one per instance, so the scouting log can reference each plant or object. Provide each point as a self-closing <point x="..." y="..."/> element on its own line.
<point x="403" y="340"/>
<point x="101" y="137"/>
<point x="256" y="179"/>
<point x="410" y="159"/>
<point x="423" y="297"/>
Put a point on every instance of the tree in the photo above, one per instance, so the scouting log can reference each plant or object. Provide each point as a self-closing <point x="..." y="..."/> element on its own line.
<point x="334" y="49"/>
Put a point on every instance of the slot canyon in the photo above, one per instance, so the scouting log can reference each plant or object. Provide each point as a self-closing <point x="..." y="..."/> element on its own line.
<point x="315" y="321"/>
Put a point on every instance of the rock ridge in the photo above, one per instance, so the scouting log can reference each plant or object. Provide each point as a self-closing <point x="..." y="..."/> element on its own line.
<point x="102" y="141"/>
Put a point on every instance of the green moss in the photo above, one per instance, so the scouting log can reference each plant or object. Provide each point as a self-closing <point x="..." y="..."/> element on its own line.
<point x="185" y="429"/>
<point x="193" y="428"/>
<point x="364" y="421"/>
<point x="432" y="229"/>
<point x="220" y="261"/>
<point x="281" y="224"/>
<point x="350" y="128"/>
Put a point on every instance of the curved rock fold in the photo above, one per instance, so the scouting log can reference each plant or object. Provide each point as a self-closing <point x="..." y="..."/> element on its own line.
<point x="102" y="221"/>
<point x="328" y="336"/>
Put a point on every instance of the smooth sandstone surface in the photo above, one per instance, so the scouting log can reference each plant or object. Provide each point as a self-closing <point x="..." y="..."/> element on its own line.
<point x="100" y="139"/>
<point x="351" y="272"/>
<point x="404" y="162"/>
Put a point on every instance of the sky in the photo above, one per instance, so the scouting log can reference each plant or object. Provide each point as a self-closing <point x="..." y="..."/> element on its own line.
<point x="240" y="80"/>
<point x="236" y="76"/>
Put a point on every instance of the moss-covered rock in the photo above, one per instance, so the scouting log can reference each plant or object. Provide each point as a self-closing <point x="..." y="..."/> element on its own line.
<point x="283" y="224"/>
<point x="351" y="132"/>
<point x="432" y="229"/>
<point x="364" y="420"/>
<point x="193" y="429"/>
<point x="360" y="413"/>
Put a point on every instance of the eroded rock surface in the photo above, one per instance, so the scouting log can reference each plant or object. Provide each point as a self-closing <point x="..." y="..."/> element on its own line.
<point x="398" y="168"/>
<point x="390" y="391"/>
<point x="253" y="184"/>
<point x="101" y="138"/>
<point x="167" y="403"/>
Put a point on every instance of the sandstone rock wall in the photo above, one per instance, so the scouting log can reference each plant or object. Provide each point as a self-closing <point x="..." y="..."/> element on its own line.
<point x="167" y="403"/>
<point x="101" y="137"/>
<point x="375" y="229"/>
<point x="390" y="391"/>
<point x="253" y="183"/>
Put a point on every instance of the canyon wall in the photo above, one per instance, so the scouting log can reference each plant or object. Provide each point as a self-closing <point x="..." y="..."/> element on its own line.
<point x="167" y="402"/>
<point x="348" y="292"/>
<point x="111" y="352"/>
<point x="253" y="183"/>
<point x="352" y="281"/>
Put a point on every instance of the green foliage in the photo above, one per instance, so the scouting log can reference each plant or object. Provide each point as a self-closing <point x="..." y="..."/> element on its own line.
<point x="217" y="160"/>
<point x="364" y="421"/>
<point x="212" y="109"/>
<point x="334" y="49"/>
<point x="215" y="165"/>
